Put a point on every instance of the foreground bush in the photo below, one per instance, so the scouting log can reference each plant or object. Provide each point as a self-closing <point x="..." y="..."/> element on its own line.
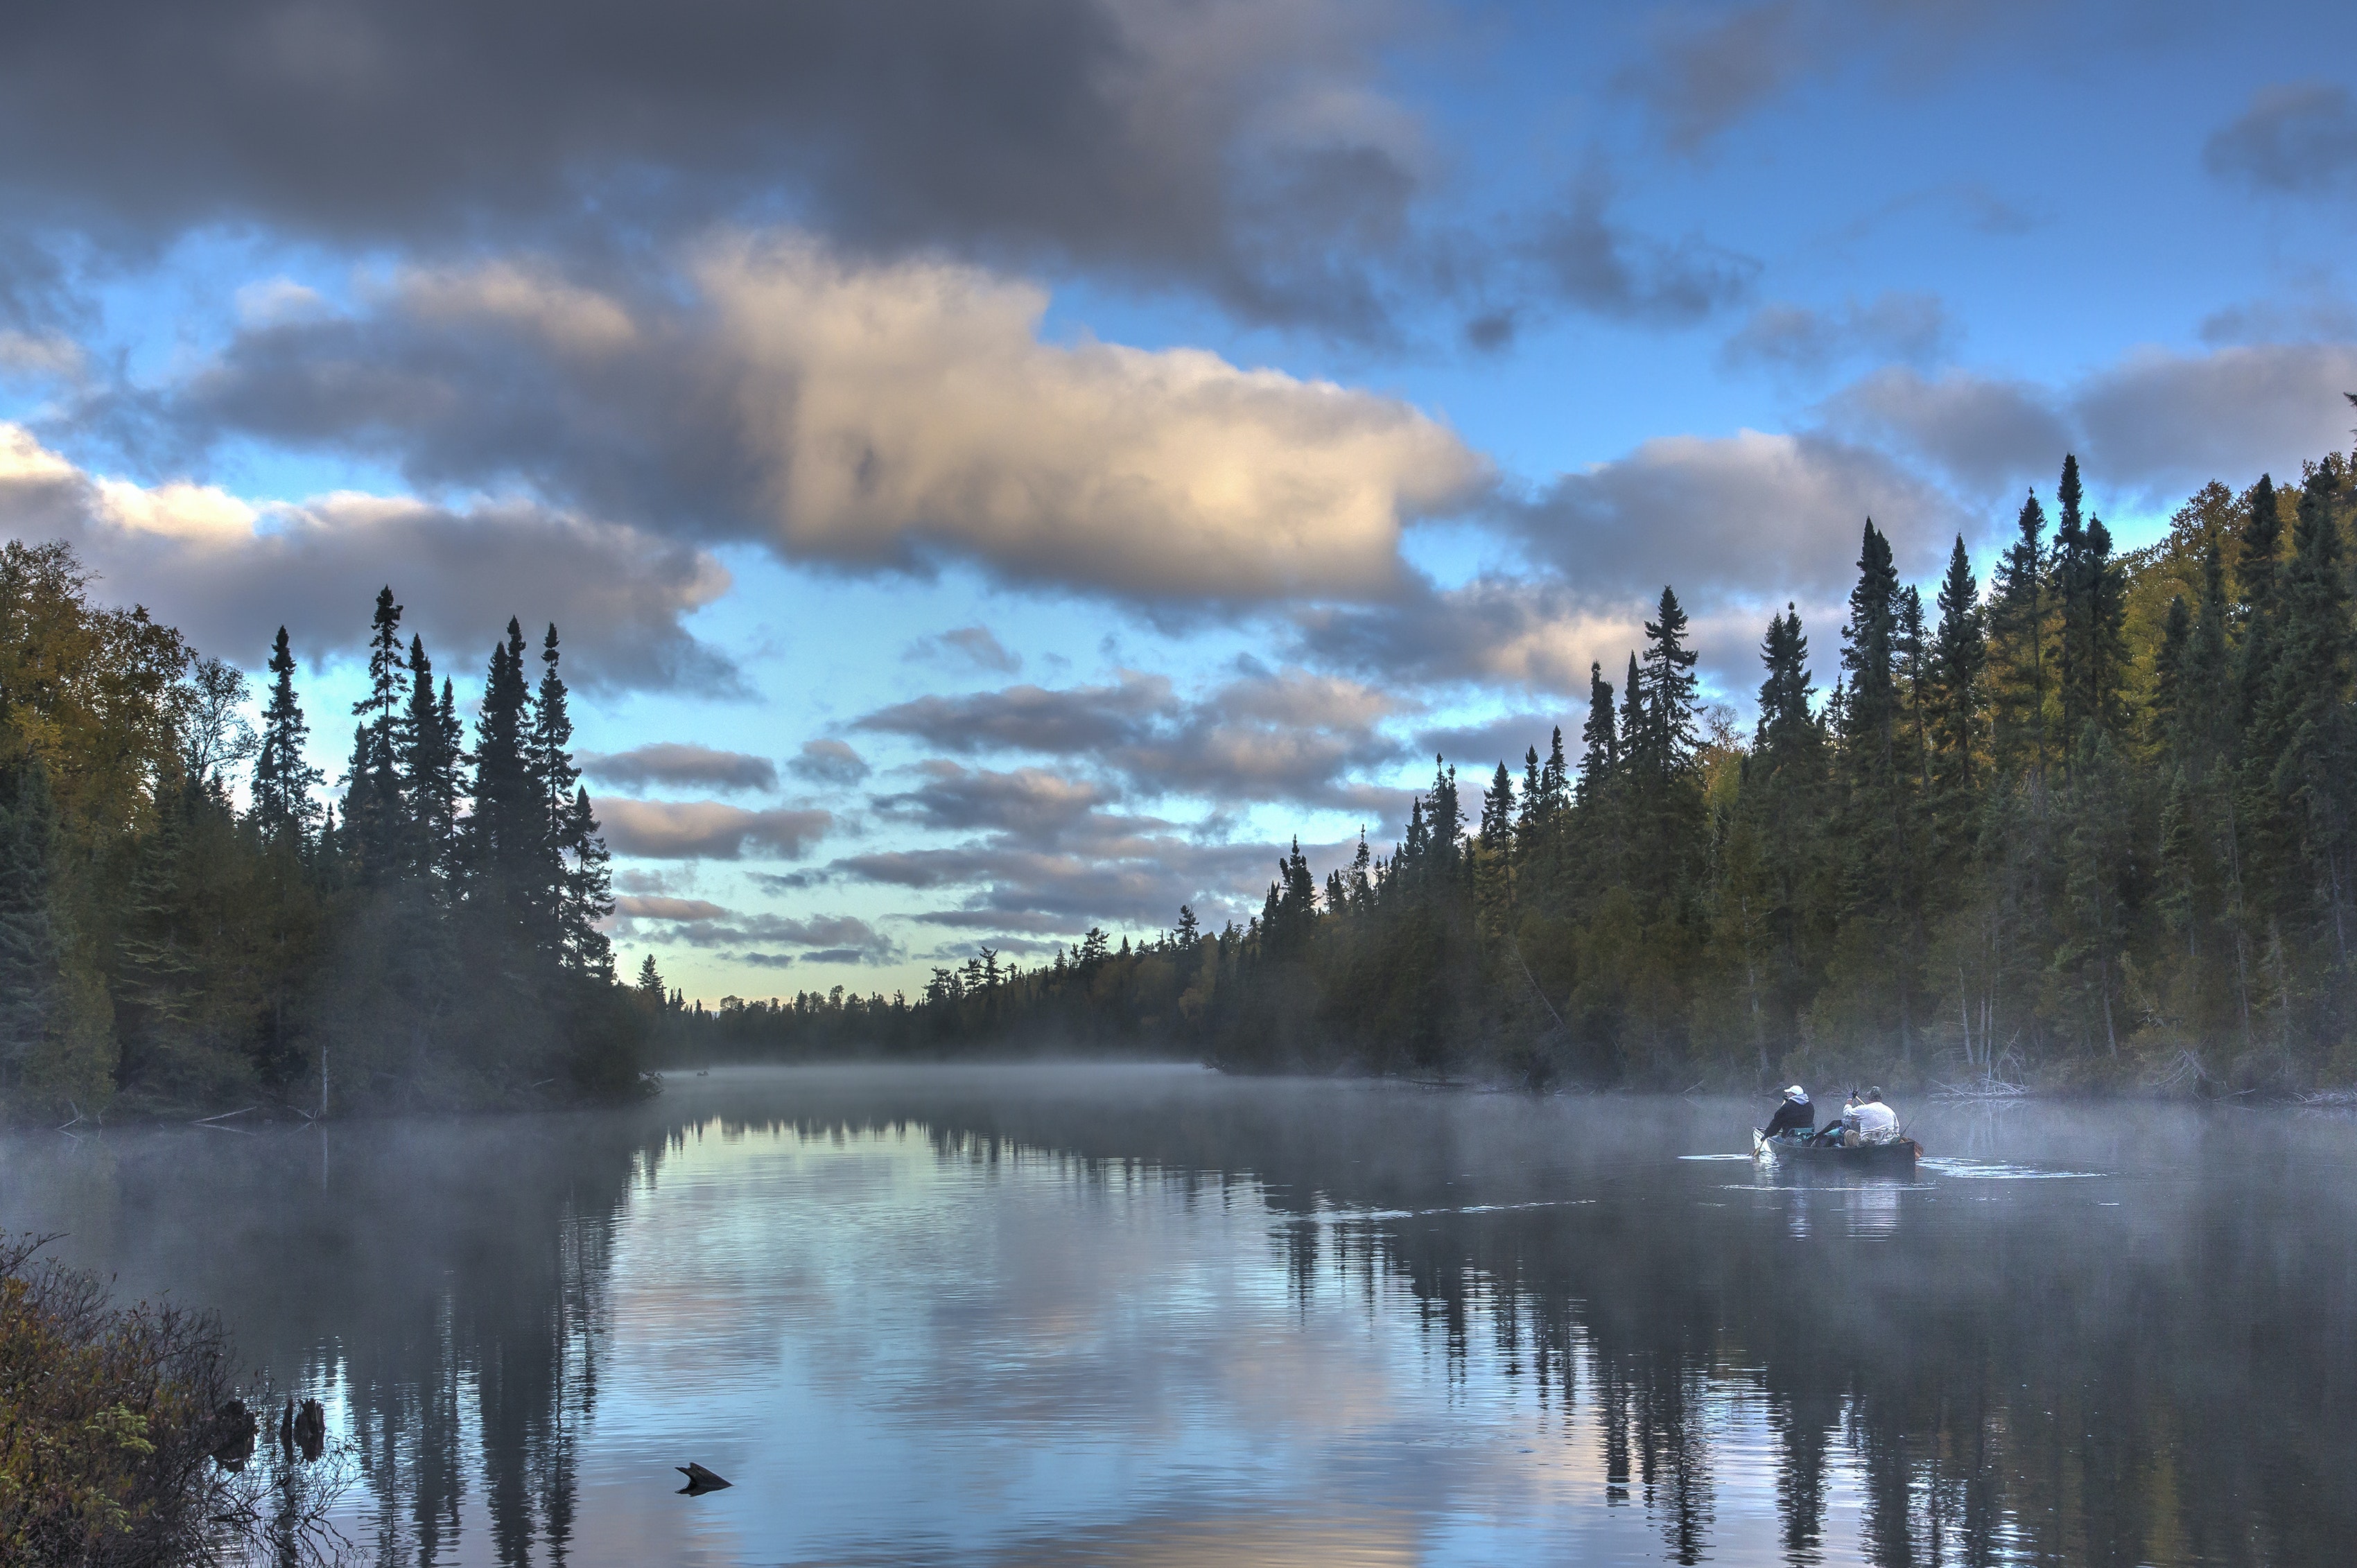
<point x="125" y="1438"/>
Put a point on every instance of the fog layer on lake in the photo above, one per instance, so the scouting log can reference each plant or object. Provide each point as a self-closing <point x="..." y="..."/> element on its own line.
<point x="1084" y="1314"/>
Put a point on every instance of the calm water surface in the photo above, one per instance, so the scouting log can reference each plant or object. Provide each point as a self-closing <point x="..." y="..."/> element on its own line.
<point x="1149" y="1315"/>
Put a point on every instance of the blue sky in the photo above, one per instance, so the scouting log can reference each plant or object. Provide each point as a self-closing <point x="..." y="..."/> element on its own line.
<point x="1017" y="462"/>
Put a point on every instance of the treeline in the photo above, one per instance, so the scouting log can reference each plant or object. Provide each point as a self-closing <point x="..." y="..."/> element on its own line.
<point x="430" y="937"/>
<point x="2094" y="821"/>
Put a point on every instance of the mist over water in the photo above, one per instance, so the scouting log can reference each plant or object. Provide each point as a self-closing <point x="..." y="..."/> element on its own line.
<point x="1076" y="1314"/>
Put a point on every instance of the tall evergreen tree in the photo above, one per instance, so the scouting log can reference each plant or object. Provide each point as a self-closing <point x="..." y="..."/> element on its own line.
<point x="374" y="811"/>
<point x="2088" y="593"/>
<point x="588" y="893"/>
<point x="1959" y="653"/>
<point x="2315" y="773"/>
<point x="506" y="830"/>
<point x="284" y="808"/>
<point x="555" y="781"/>
<point x="429" y="769"/>
<point x="1878" y="802"/>
<point x="2019" y="679"/>
<point x="1665" y="744"/>
<point x="1784" y="798"/>
<point x="1599" y="738"/>
<point x="31" y="942"/>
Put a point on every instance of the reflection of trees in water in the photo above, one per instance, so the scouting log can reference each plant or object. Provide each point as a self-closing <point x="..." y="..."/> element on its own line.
<point x="2058" y="1388"/>
<point x="508" y="1346"/>
<point x="448" y="1278"/>
<point x="2055" y="1389"/>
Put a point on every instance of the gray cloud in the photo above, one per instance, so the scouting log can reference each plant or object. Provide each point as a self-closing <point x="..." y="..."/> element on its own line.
<point x="877" y="417"/>
<point x="2165" y="423"/>
<point x="1290" y="735"/>
<point x="829" y="762"/>
<point x="1583" y="257"/>
<point x="692" y="922"/>
<point x="676" y="763"/>
<point x="1028" y="803"/>
<point x="1064" y="722"/>
<point x="1706" y="68"/>
<point x="1911" y="328"/>
<point x="969" y="644"/>
<point x="1737" y="524"/>
<point x="2155" y="424"/>
<point x="1048" y="892"/>
<point x="1744" y="515"/>
<point x="228" y="573"/>
<point x="1701" y="77"/>
<point x="2296" y="137"/>
<point x="1985" y="431"/>
<point x="2316" y="315"/>
<point x="1239" y="147"/>
<point x="639" y="906"/>
<point x="1479" y="747"/>
<point x="707" y="829"/>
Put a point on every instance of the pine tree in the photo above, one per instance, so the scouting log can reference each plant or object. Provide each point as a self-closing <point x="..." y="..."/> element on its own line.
<point x="554" y="779"/>
<point x="31" y="940"/>
<point x="588" y="893"/>
<point x="506" y="833"/>
<point x="373" y="809"/>
<point x="282" y="780"/>
<point x="1493" y="856"/>
<point x="1666" y="744"/>
<point x="1911" y="650"/>
<point x="2018" y="674"/>
<point x="429" y="741"/>
<point x="1599" y="738"/>
<point x="1783" y="798"/>
<point x="2089" y="596"/>
<point x="1876" y="817"/>
<point x="2312" y="774"/>
<point x="1959" y="654"/>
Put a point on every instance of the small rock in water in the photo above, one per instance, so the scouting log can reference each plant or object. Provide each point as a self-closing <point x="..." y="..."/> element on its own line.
<point x="700" y="1479"/>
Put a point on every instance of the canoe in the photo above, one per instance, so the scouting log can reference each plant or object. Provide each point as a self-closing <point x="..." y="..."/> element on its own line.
<point x="1899" y="1155"/>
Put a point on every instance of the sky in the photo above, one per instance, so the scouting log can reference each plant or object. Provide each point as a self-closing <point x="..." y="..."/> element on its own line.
<point x="1004" y="467"/>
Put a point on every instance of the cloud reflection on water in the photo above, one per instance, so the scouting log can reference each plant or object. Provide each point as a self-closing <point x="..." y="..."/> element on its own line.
<point x="1063" y="1314"/>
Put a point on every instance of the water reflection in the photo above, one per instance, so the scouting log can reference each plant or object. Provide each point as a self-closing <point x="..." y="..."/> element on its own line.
<point x="1082" y="1315"/>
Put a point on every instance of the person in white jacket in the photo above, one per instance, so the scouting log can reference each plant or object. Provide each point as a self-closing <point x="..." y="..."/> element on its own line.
<point x="1876" y="1123"/>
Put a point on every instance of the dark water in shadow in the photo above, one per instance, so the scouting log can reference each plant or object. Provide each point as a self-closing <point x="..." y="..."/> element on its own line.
<point x="1147" y="1315"/>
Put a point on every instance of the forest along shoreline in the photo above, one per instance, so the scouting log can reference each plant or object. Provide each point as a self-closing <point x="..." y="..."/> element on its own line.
<point x="2088" y="829"/>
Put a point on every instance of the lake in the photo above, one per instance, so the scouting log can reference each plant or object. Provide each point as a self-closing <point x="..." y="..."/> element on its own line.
<point x="1063" y="1315"/>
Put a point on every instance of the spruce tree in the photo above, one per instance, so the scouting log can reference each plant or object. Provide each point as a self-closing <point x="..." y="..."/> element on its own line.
<point x="1599" y="737"/>
<point x="1875" y="822"/>
<point x="374" y="811"/>
<point x="1959" y="654"/>
<point x="1783" y="799"/>
<point x="429" y="770"/>
<point x="2018" y="673"/>
<point x="505" y="832"/>
<point x="31" y="940"/>
<point x="588" y="893"/>
<point x="2088" y="593"/>
<point x="1666" y="745"/>
<point x="2315" y="769"/>
<point x="554" y="779"/>
<point x="284" y="809"/>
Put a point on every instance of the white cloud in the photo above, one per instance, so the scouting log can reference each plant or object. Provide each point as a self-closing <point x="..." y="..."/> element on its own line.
<point x="228" y="572"/>
<point x="915" y="406"/>
<point x="879" y="415"/>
